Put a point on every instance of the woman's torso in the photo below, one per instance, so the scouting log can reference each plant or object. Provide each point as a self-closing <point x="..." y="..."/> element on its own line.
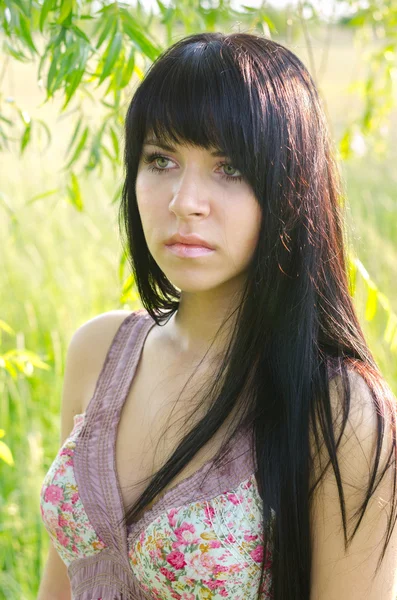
<point x="142" y="417"/>
<point x="159" y="379"/>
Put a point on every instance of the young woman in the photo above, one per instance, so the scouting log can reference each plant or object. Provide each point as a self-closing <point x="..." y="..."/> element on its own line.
<point x="235" y="438"/>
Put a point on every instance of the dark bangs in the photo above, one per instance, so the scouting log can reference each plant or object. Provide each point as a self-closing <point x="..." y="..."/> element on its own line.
<point x="198" y="95"/>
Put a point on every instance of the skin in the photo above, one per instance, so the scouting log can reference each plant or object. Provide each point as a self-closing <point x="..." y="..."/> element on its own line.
<point x="192" y="195"/>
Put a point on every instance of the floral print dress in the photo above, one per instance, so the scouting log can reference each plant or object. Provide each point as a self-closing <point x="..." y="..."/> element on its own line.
<point x="202" y="539"/>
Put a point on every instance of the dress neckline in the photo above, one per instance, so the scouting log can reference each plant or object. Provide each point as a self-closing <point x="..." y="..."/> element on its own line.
<point x="95" y="451"/>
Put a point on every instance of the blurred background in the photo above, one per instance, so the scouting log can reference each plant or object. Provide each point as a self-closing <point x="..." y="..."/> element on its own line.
<point x="67" y="73"/>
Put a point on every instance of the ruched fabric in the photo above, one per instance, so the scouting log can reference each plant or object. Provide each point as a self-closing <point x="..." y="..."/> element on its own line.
<point x="202" y="539"/>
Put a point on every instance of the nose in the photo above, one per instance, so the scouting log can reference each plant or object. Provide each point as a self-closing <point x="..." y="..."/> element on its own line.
<point x="190" y="195"/>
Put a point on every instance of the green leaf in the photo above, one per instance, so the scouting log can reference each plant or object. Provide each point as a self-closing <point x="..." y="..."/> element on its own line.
<point x="75" y="78"/>
<point x="47" y="130"/>
<point x="23" y="7"/>
<point x="5" y="327"/>
<point x="115" y="142"/>
<point x="95" y="155"/>
<point x="117" y="193"/>
<point x="26" y="136"/>
<point x="48" y="5"/>
<point x="370" y="308"/>
<point x="107" y="153"/>
<point x="10" y="123"/>
<point x="132" y="29"/>
<point x="25" y="32"/>
<point x="14" y="52"/>
<point x="128" y="69"/>
<point x="66" y="9"/>
<point x="79" y="148"/>
<point x="109" y="24"/>
<point x="52" y="71"/>
<point x="162" y="7"/>
<point x="5" y="454"/>
<point x="42" y="195"/>
<point x="112" y="54"/>
<point x="74" y="136"/>
<point x="75" y="193"/>
<point x="80" y="33"/>
<point x="352" y="277"/>
<point x="345" y="144"/>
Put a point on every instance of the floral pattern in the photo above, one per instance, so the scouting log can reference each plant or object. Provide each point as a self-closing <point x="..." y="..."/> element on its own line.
<point x="62" y="511"/>
<point x="207" y="549"/>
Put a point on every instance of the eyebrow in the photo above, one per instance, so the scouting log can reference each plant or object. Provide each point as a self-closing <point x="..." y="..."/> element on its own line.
<point x="169" y="148"/>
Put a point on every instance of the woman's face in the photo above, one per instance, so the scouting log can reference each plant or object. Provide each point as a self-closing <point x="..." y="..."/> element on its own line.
<point x="191" y="190"/>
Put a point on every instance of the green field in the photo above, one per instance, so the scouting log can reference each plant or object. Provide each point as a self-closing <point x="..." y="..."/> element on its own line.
<point x="60" y="268"/>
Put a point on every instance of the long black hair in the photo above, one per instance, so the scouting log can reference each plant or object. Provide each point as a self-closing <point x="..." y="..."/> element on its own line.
<point x="296" y="327"/>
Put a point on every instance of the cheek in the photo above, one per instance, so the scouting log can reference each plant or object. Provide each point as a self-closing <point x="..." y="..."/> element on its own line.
<point x="148" y="198"/>
<point x="242" y="229"/>
<point x="143" y="187"/>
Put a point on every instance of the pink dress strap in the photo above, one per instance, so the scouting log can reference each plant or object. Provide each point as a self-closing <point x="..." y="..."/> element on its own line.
<point x="94" y="458"/>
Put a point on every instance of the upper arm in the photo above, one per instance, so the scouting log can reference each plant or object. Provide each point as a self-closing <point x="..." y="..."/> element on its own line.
<point x="85" y="357"/>
<point x="337" y="573"/>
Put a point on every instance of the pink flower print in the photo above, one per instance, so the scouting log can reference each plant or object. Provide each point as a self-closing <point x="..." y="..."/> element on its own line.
<point x="74" y="548"/>
<point x="236" y="568"/>
<point x="212" y="585"/>
<point x="168" y="574"/>
<point x="75" y="497"/>
<point x="52" y="520"/>
<point x="186" y="534"/>
<point x="62" y="539"/>
<point x="65" y="507"/>
<point x="176" y="559"/>
<point x="59" y="472"/>
<point x="210" y="514"/>
<point x="175" y="595"/>
<point x="53" y="494"/>
<point x="233" y="498"/>
<point x="223" y="593"/>
<point x="230" y="539"/>
<point x="201" y="563"/>
<point x="214" y="544"/>
<point x="220" y="568"/>
<point x="69" y="463"/>
<point x="187" y="596"/>
<point x="66" y="452"/>
<point x="171" y="517"/>
<point x="250" y="538"/>
<point x="62" y="522"/>
<point x="257" y="553"/>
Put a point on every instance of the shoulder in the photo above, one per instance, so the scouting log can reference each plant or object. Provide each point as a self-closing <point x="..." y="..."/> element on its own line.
<point x="371" y="408"/>
<point x="371" y="404"/>
<point x="89" y="346"/>
<point x="342" y="569"/>
<point x="100" y="328"/>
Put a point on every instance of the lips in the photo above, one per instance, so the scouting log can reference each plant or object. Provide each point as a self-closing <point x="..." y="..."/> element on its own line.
<point x="189" y="240"/>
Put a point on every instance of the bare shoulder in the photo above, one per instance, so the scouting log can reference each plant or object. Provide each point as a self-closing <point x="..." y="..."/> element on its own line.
<point x="337" y="570"/>
<point x="85" y="357"/>
<point x="91" y="342"/>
